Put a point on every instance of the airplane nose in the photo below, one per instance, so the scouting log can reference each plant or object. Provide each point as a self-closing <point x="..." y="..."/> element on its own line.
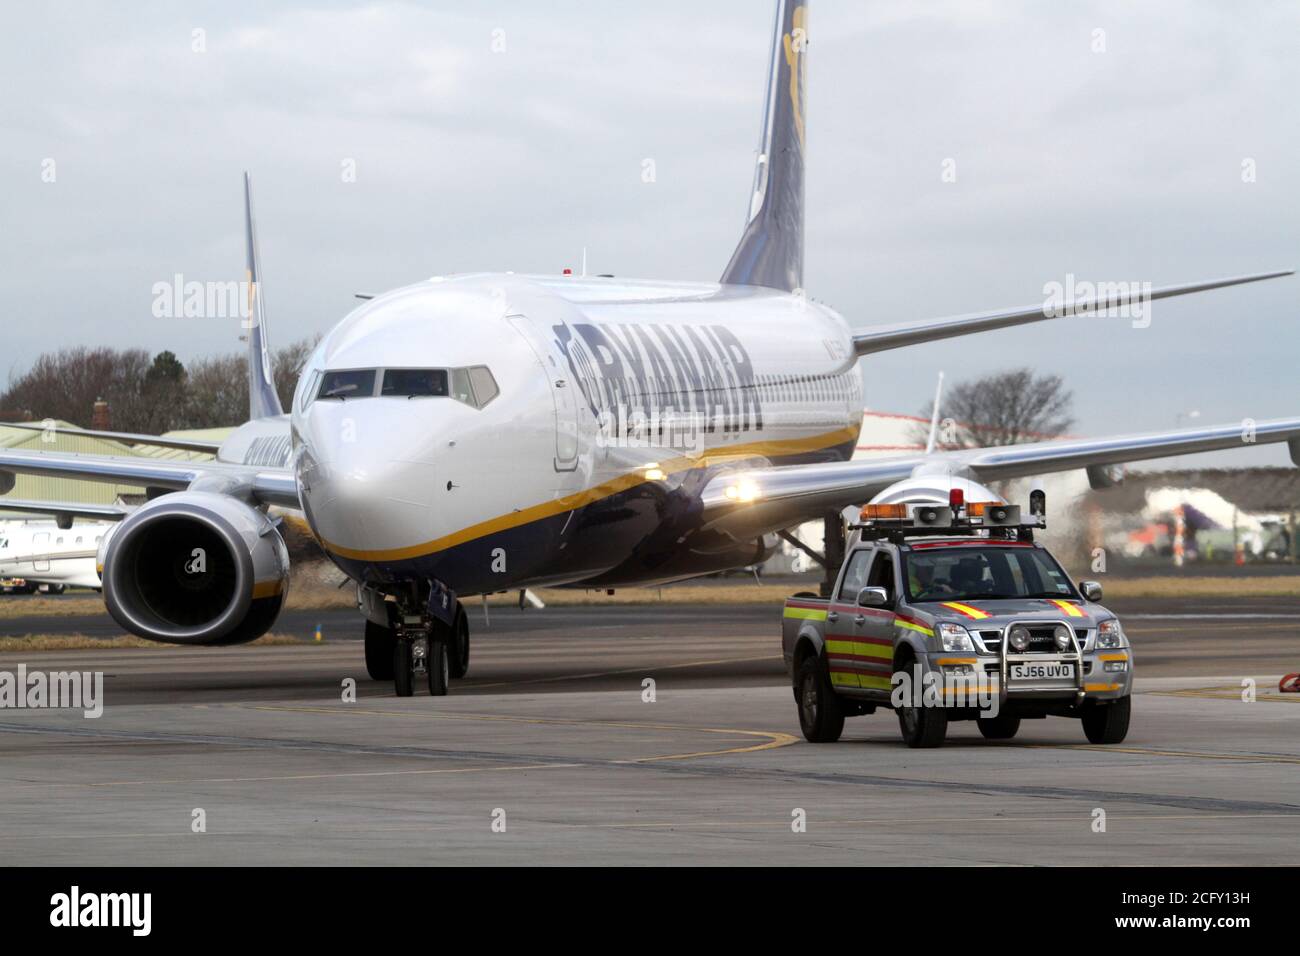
<point x="365" y="492"/>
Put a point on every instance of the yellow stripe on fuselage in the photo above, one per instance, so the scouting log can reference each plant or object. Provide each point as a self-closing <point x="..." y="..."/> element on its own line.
<point x="548" y="509"/>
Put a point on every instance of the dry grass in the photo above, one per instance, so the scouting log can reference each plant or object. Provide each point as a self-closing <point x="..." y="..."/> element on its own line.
<point x="18" y="605"/>
<point x="319" y="592"/>
<point x="80" y="642"/>
<point x="713" y="593"/>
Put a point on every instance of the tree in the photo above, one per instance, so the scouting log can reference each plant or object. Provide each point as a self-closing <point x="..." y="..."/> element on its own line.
<point x="64" y="385"/>
<point x="287" y="367"/>
<point x="144" y="395"/>
<point x="1007" y="408"/>
<point x="218" y="391"/>
<point x="218" y="386"/>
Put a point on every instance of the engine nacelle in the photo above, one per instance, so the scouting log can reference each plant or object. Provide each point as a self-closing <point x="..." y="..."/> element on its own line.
<point x="195" y="568"/>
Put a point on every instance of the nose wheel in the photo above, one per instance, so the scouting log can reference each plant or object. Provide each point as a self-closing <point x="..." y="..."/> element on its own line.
<point x="418" y="648"/>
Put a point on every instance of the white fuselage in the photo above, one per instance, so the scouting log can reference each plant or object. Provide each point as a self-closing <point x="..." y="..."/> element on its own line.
<point x="578" y="457"/>
<point x="42" y="552"/>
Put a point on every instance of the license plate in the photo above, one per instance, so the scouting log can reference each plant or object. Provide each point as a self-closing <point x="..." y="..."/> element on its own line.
<point x="1052" y="670"/>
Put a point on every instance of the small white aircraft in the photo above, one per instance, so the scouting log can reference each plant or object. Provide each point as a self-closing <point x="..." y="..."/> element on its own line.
<point x="42" y="553"/>
<point x="488" y="432"/>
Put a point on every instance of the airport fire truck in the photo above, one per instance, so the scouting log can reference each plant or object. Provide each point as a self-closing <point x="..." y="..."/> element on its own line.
<point x="954" y="612"/>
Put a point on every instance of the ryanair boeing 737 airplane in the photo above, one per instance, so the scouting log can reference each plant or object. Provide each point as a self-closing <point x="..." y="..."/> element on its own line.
<point x="471" y="434"/>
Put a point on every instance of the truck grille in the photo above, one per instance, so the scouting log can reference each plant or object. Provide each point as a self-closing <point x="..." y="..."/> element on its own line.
<point x="1040" y="639"/>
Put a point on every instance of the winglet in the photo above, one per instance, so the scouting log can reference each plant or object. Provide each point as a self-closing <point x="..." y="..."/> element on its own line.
<point x="263" y="401"/>
<point x="770" y="252"/>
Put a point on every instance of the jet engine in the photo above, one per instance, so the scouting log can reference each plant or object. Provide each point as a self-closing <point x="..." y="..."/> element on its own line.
<point x="195" y="567"/>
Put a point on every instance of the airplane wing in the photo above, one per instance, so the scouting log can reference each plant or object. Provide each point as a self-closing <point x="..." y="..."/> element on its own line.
<point x="883" y="338"/>
<point x="274" y="486"/>
<point x="757" y="501"/>
<point x="66" y="509"/>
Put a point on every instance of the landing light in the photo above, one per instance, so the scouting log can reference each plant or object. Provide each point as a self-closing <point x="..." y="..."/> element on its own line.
<point x="744" y="491"/>
<point x="654" y="473"/>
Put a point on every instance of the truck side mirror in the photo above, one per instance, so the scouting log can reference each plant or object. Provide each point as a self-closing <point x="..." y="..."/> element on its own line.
<point x="1090" y="590"/>
<point x="873" y="597"/>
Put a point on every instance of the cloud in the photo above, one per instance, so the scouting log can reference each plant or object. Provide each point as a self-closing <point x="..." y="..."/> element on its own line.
<point x="1116" y="165"/>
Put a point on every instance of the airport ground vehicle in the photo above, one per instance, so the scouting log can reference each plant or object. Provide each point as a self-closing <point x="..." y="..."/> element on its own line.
<point x="955" y="613"/>
<point x="16" y="586"/>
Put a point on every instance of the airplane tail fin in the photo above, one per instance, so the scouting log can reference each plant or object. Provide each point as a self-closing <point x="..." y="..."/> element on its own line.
<point x="771" y="250"/>
<point x="263" y="401"/>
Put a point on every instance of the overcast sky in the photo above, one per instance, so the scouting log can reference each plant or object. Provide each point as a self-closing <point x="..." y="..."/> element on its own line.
<point x="1125" y="164"/>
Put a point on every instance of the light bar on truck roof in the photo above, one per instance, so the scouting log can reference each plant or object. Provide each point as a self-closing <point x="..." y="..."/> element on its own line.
<point x="886" y="512"/>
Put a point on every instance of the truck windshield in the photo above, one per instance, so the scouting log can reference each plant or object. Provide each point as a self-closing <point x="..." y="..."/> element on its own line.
<point x="974" y="573"/>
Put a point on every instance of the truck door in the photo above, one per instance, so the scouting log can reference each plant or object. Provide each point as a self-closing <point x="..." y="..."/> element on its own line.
<point x="876" y="626"/>
<point x="562" y="392"/>
<point x="842" y="626"/>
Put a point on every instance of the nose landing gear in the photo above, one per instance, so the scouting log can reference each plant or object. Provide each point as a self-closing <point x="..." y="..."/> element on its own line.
<point x="421" y="651"/>
<point x="417" y="645"/>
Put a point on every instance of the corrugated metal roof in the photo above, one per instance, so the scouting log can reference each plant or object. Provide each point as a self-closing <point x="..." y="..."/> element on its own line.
<point x="40" y="488"/>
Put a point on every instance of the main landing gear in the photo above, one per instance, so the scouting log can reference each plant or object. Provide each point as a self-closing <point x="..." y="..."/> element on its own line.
<point x="418" y="648"/>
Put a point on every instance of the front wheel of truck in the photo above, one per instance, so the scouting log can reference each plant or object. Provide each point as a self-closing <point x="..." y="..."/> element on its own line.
<point x="1107" y="723"/>
<point x="820" y="715"/>
<point x="1001" y="727"/>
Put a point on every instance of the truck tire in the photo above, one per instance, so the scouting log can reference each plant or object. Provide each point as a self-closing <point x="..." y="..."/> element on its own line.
<point x="1107" y="723"/>
<point x="820" y="715"/>
<point x="1001" y="727"/>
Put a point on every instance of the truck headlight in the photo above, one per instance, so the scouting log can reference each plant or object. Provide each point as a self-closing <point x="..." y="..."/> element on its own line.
<point x="1018" y="637"/>
<point x="1062" y="634"/>
<point x="955" y="638"/>
<point x="1110" y="634"/>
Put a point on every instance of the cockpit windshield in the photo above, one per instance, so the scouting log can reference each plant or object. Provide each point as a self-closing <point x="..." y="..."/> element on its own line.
<point x="473" y="386"/>
<point x="348" y="383"/>
<point x="414" y="382"/>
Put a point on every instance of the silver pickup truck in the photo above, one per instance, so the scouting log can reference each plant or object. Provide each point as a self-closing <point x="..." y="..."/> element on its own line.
<point x="955" y="613"/>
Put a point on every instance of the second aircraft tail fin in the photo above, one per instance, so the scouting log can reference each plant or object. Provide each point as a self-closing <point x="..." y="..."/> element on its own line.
<point x="263" y="401"/>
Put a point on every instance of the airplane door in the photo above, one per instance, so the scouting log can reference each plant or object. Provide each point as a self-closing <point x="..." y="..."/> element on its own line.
<point x="41" y="551"/>
<point x="562" y="392"/>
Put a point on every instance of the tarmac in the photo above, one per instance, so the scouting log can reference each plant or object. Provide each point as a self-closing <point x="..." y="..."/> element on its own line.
<point x="554" y="751"/>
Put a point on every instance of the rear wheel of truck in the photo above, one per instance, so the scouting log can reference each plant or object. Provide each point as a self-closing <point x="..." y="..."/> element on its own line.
<point x="1001" y="727"/>
<point x="1107" y="723"/>
<point x="820" y="715"/>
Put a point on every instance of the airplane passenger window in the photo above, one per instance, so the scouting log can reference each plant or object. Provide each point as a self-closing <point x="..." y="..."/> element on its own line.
<point x="485" y="386"/>
<point x="351" y="383"/>
<point x="415" y="382"/>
